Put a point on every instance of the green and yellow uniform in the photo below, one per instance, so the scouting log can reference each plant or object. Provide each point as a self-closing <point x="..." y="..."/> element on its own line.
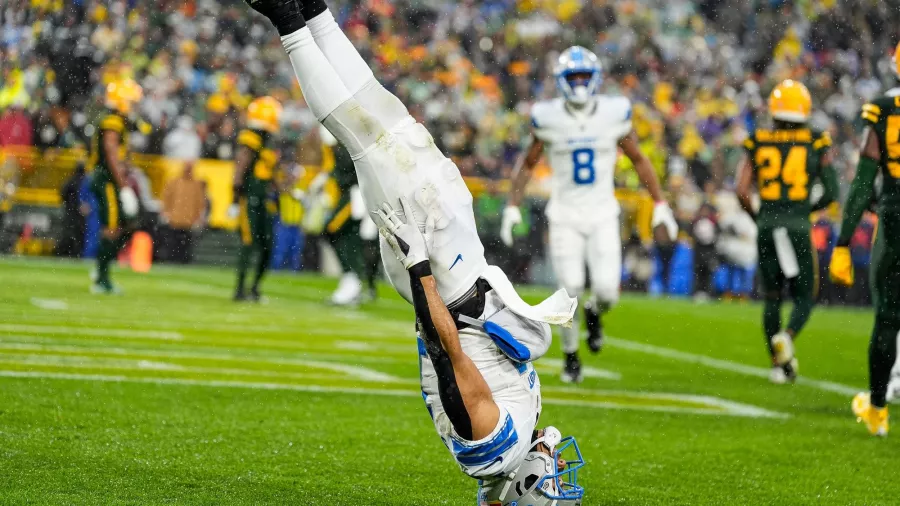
<point x="341" y="227"/>
<point x="882" y="117"/>
<point x="257" y="195"/>
<point x="103" y="184"/>
<point x="786" y="163"/>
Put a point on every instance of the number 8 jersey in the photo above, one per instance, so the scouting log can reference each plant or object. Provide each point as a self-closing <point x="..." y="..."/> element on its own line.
<point x="786" y="163"/>
<point x="582" y="146"/>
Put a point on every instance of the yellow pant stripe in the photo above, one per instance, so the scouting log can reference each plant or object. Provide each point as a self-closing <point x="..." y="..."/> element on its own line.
<point x="244" y="224"/>
<point x="339" y="219"/>
<point x="112" y="207"/>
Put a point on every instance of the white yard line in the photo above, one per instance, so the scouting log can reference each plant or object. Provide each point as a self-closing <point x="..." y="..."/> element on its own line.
<point x="50" y="304"/>
<point x="93" y="331"/>
<point x="554" y="365"/>
<point x="726" y="408"/>
<point x="725" y="365"/>
<point x="343" y="368"/>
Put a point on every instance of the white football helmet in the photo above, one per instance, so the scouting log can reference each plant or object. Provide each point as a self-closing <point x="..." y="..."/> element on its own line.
<point x="539" y="481"/>
<point x="578" y="75"/>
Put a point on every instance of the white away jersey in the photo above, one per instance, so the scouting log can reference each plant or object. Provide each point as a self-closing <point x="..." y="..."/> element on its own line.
<point x="581" y="147"/>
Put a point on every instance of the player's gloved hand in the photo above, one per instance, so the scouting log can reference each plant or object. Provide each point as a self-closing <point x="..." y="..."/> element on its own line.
<point x="130" y="204"/>
<point x="662" y="215"/>
<point x="298" y="194"/>
<point x="234" y="210"/>
<point x="406" y="240"/>
<point x="511" y="217"/>
<point x="841" y="268"/>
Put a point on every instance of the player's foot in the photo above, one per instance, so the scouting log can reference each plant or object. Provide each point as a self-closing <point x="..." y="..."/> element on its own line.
<point x="876" y="419"/>
<point x="782" y="348"/>
<point x="100" y="288"/>
<point x="594" y="327"/>
<point x="94" y="274"/>
<point x="777" y="375"/>
<point x="791" y="369"/>
<point x="284" y="14"/>
<point x="256" y="296"/>
<point x="370" y="295"/>
<point x="348" y="292"/>
<point x="240" y="296"/>
<point x="571" y="372"/>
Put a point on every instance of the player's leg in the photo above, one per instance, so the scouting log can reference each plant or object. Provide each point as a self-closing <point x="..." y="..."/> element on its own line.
<point x="245" y="251"/>
<point x="804" y="287"/>
<point x="567" y="254"/>
<point x="108" y="210"/>
<point x="604" y="258"/>
<point x="772" y="284"/>
<point x="343" y="232"/>
<point x="871" y="407"/>
<point x="350" y="66"/>
<point x="262" y="236"/>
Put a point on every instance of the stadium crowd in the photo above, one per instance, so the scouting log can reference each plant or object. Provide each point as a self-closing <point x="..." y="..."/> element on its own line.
<point x="697" y="71"/>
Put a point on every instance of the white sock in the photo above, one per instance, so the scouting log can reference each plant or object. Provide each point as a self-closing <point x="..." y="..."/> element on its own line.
<point x="354" y="72"/>
<point x="570" y="335"/>
<point x="322" y="87"/>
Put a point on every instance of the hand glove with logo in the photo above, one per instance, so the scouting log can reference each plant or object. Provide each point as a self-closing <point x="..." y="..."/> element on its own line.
<point x="841" y="268"/>
<point x="511" y="217"/>
<point x="234" y="210"/>
<point x="130" y="204"/>
<point x="662" y="215"/>
<point x="409" y="244"/>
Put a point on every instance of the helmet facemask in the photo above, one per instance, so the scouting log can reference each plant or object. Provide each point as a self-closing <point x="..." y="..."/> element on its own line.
<point x="578" y="75"/>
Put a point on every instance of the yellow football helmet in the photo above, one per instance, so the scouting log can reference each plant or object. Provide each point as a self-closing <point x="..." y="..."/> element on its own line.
<point x="790" y="101"/>
<point x="895" y="65"/>
<point x="264" y="114"/>
<point x="123" y="94"/>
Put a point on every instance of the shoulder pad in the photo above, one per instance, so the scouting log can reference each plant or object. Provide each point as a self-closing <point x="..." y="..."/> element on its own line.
<point x="113" y="122"/>
<point x="250" y="139"/>
<point x="871" y="113"/>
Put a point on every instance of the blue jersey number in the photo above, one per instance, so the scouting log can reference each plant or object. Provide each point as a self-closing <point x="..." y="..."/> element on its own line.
<point x="583" y="162"/>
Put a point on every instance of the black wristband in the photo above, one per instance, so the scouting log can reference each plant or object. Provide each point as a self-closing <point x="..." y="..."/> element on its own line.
<point x="420" y="270"/>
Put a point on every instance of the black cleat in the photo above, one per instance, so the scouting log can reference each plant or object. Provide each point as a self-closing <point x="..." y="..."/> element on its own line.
<point x="284" y="14"/>
<point x="240" y="296"/>
<point x="571" y="372"/>
<point x="594" y="328"/>
<point x="257" y="297"/>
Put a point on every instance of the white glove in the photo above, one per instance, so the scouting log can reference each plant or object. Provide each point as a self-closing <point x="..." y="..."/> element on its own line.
<point x="130" y="205"/>
<point x="298" y="194"/>
<point x="662" y="214"/>
<point x="406" y="240"/>
<point x="511" y="217"/>
<point x="234" y="210"/>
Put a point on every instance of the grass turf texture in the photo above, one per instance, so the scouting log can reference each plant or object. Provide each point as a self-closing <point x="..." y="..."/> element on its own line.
<point x="174" y="394"/>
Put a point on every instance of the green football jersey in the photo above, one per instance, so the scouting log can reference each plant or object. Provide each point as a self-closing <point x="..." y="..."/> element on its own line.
<point x="98" y="162"/>
<point x="258" y="178"/>
<point x="786" y="163"/>
<point x="883" y="115"/>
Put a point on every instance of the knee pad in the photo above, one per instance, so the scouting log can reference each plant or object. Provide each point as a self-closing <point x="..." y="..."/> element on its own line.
<point x="355" y="127"/>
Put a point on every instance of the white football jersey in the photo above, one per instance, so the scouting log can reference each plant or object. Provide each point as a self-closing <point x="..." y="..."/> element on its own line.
<point x="515" y="388"/>
<point x="582" y="147"/>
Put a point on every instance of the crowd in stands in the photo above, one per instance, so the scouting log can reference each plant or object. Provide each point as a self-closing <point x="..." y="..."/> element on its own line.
<point x="698" y="72"/>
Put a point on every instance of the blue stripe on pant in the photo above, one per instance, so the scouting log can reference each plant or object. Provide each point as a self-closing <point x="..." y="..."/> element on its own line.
<point x="288" y="250"/>
<point x="487" y="451"/>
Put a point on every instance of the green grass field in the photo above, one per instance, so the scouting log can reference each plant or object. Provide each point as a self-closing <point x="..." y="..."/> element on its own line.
<point x="174" y="394"/>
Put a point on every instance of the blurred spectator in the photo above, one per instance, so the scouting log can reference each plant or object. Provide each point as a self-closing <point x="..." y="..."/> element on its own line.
<point x="183" y="143"/>
<point x="737" y="249"/>
<point x="71" y="238"/>
<point x="15" y="127"/>
<point x="184" y="207"/>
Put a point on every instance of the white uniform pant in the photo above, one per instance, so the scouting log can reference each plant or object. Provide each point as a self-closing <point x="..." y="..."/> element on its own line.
<point x="406" y="163"/>
<point x="596" y="245"/>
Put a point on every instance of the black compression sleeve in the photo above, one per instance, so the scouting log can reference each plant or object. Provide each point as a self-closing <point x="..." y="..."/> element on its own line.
<point x="451" y="399"/>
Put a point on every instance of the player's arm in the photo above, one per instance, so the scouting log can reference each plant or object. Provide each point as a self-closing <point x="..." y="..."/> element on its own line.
<point x="662" y="213"/>
<point x="862" y="190"/>
<point x="744" y="189"/>
<point x="241" y="166"/>
<point x="464" y="393"/>
<point x="829" y="183"/>
<point x="642" y="165"/>
<point x="522" y="172"/>
<point x="111" y="139"/>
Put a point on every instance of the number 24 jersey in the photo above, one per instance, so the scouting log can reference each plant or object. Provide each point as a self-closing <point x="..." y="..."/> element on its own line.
<point x="581" y="147"/>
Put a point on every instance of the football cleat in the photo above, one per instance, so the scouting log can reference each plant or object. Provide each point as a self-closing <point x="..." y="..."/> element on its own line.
<point x="571" y="372"/>
<point x="791" y="369"/>
<point x="594" y="328"/>
<point x="284" y="14"/>
<point x="777" y="375"/>
<point x="240" y="296"/>
<point x="782" y="348"/>
<point x="876" y="419"/>
<point x="348" y="292"/>
<point x="257" y="297"/>
<point x="105" y="289"/>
